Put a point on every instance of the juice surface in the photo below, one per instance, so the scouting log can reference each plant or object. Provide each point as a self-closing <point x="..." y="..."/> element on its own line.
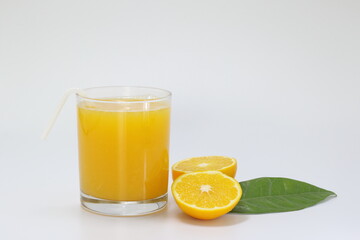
<point x="124" y="149"/>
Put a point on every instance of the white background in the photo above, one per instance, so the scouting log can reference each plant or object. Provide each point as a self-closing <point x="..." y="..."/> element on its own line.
<point x="274" y="84"/>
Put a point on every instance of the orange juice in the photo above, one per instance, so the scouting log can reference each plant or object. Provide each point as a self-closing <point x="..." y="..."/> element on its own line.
<point x="123" y="149"/>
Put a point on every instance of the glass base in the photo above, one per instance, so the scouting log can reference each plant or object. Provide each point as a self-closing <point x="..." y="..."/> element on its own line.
<point x="123" y="208"/>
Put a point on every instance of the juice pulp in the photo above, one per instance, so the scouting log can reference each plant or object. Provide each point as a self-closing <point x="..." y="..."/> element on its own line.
<point x="123" y="149"/>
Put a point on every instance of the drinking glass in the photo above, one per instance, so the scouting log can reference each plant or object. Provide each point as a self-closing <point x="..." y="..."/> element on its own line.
<point x="123" y="138"/>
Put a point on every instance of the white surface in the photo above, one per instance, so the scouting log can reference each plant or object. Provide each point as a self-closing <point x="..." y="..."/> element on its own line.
<point x="273" y="83"/>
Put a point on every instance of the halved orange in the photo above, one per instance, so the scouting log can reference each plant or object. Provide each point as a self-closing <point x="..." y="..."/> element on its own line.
<point x="207" y="194"/>
<point x="226" y="165"/>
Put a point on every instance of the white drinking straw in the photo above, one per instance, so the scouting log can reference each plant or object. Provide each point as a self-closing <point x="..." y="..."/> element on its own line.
<point x="58" y="109"/>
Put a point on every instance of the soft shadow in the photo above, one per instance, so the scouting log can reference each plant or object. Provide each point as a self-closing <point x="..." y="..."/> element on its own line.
<point x="226" y="220"/>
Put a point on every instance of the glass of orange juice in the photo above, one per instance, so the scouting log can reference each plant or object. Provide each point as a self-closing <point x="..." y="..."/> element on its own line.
<point x="123" y="135"/>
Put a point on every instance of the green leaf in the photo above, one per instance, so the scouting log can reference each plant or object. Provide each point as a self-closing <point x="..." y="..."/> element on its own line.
<point x="269" y="195"/>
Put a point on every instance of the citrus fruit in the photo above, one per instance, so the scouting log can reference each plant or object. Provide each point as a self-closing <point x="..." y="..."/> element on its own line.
<point x="206" y="194"/>
<point x="225" y="165"/>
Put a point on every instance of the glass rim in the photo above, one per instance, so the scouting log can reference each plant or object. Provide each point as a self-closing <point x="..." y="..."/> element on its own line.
<point x="167" y="94"/>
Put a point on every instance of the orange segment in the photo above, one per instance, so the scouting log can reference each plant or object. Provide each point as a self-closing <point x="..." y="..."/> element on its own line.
<point x="226" y="165"/>
<point x="207" y="194"/>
